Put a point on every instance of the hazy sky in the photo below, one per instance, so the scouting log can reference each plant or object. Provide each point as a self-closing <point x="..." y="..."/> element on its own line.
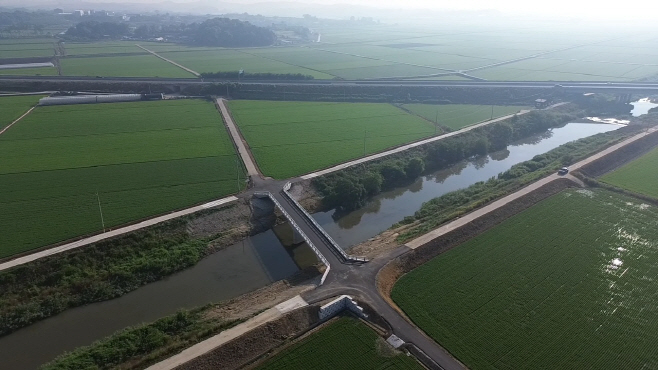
<point x="608" y="9"/>
<point x="578" y="8"/>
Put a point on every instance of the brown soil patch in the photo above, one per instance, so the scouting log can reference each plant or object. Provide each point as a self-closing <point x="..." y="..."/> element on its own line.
<point x="620" y="157"/>
<point x="250" y="304"/>
<point x="219" y="221"/>
<point x="257" y="342"/>
<point x="304" y="193"/>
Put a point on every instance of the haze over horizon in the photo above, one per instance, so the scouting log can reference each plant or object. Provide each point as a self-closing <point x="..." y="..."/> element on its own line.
<point x="586" y="10"/>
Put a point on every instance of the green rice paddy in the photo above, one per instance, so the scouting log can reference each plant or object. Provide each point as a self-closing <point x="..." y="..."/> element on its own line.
<point x="457" y="116"/>
<point x="135" y="159"/>
<point x="566" y="284"/>
<point x="640" y="176"/>
<point x="345" y="343"/>
<point x="122" y="66"/>
<point x="12" y="107"/>
<point x="293" y="138"/>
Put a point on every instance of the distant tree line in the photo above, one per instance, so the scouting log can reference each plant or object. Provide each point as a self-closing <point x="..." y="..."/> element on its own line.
<point x="223" y="32"/>
<point x="235" y="75"/>
<point x="94" y="30"/>
<point x="350" y="189"/>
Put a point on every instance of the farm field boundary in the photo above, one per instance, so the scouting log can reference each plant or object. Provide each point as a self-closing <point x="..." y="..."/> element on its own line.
<point x="638" y="176"/>
<point x="169" y="61"/>
<point x="619" y="158"/>
<point x="589" y="253"/>
<point x="409" y="146"/>
<point x="248" y="347"/>
<point x="28" y="257"/>
<point x="16" y="121"/>
<point x="389" y="274"/>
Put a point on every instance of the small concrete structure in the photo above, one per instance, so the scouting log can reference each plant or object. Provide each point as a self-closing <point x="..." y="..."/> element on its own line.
<point x="395" y="341"/>
<point x="339" y="305"/>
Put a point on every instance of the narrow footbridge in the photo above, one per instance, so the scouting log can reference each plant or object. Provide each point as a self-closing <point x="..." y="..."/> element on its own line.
<point x="324" y="246"/>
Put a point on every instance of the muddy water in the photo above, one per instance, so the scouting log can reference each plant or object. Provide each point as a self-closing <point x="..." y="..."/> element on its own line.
<point x="392" y="206"/>
<point x="642" y="106"/>
<point x="236" y="270"/>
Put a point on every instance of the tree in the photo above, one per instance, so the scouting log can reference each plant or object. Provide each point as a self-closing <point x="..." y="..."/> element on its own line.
<point x="414" y="168"/>
<point x="372" y="182"/>
<point x="350" y="193"/>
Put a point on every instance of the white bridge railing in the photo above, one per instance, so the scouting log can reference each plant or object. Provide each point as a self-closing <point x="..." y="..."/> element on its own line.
<point x="331" y="240"/>
<point x="296" y="227"/>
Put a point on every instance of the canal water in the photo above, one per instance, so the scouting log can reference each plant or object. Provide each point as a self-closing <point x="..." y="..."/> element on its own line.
<point x="238" y="269"/>
<point x="642" y="106"/>
<point x="392" y="206"/>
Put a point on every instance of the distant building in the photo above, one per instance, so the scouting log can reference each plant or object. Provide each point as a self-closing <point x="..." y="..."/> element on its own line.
<point x="541" y="103"/>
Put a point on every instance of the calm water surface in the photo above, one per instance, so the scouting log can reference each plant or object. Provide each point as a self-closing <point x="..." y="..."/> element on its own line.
<point x="392" y="206"/>
<point x="236" y="270"/>
<point x="642" y="106"/>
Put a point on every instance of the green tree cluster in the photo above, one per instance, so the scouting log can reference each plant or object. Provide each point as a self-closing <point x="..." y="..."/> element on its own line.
<point x="350" y="189"/>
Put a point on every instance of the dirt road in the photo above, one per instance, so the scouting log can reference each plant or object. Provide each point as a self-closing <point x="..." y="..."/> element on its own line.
<point x="169" y="61"/>
<point x="16" y="120"/>
<point x="245" y="154"/>
<point x="124" y="230"/>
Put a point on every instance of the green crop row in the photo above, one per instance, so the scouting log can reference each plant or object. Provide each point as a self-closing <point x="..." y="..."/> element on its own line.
<point x="343" y="344"/>
<point x="293" y="138"/>
<point x="65" y="166"/>
<point x="12" y="107"/>
<point x="640" y="176"/>
<point x="457" y="116"/>
<point x="567" y="283"/>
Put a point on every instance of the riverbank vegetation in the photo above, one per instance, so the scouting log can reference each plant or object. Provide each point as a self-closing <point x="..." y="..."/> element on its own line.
<point x="454" y="204"/>
<point x="351" y="188"/>
<point x="137" y="347"/>
<point x="588" y="254"/>
<point x="111" y="268"/>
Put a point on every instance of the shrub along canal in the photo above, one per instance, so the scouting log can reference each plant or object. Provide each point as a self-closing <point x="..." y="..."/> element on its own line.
<point x="243" y="267"/>
<point x="390" y="207"/>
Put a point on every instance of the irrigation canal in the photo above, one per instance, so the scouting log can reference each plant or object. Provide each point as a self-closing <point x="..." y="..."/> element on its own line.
<point x="245" y="266"/>
<point x="392" y="206"/>
<point x="262" y="259"/>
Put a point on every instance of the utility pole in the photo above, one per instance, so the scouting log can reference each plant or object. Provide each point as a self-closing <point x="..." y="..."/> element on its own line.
<point x="237" y="172"/>
<point x="436" y="122"/>
<point x="365" y="134"/>
<point x="100" y="210"/>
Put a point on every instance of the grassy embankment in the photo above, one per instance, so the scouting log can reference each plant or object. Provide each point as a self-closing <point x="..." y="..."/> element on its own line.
<point x="292" y="138"/>
<point x="565" y="284"/>
<point x="12" y="107"/>
<point x="138" y="347"/>
<point x="112" y="268"/>
<point x="454" y="204"/>
<point x="640" y="176"/>
<point x="457" y="116"/>
<point x="135" y="159"/>
<point x="345" y="343"/>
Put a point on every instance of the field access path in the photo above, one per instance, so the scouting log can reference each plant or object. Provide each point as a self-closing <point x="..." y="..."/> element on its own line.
<point x="16" y="120"/>
<point x="170" y="61"/>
